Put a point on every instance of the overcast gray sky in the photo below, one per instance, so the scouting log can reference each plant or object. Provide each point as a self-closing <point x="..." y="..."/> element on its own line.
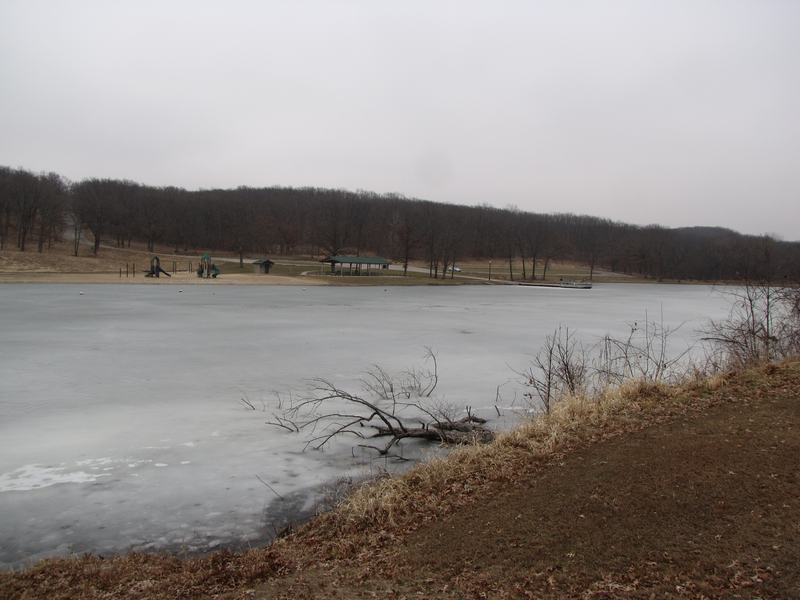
<point x="678" y="113"/>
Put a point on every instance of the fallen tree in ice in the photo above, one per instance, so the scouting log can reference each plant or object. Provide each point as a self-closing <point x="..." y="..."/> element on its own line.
<point x="396" y="408"/>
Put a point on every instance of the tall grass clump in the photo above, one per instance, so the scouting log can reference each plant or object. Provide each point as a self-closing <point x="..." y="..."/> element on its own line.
<point x="565" y="367"/>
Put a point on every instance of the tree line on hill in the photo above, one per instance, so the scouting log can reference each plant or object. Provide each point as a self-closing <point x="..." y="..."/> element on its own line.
<point x="38" y="208"/>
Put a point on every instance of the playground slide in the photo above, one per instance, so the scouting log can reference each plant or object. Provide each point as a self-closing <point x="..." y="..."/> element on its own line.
<point x="207" y="269"/>
<point x="160" y="270"/>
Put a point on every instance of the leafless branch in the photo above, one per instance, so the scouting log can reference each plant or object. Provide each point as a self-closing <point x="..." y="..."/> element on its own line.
<point x="387" y="408"/>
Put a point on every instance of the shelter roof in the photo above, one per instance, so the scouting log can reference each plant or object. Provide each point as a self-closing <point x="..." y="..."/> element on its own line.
<point x="356" y="260"/>
<point x="263" y="261"/>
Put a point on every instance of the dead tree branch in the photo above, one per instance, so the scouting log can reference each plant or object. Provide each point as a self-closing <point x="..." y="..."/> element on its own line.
<point x="387" y="409"/>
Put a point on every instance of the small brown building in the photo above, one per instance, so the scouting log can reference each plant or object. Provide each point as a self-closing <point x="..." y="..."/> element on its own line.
<point x="262" y="266"/>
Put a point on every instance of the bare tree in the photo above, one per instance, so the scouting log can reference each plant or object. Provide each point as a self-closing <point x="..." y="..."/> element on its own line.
<point x="555" y="247"/>
<point x="27" y="192"/>
<point x="450" y="247"/>
<point x="642" y="355"/>
<point x="333" y="224"/>
<point x="52" y="207"/>
<point x="288" y="218"/>
<point x="152" y="217"/>
<point x="432" y="238"/>
<point x="406" y="235"/>
<point x="177" y="214"/>
<point x="559" y="368"/>
<point x="763" y="324"/>
<point x="6" y="179"/>
<point x="76" y="222"/>
<point x="510" y="228"/>
<point x="96" y="201"/>
<point x="564" y="366"/>
<point x="764" y="321"/>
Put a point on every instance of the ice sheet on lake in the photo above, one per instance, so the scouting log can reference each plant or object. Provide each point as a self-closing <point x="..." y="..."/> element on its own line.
<point x="121" y="425"/>
<point x="30" y="477"/>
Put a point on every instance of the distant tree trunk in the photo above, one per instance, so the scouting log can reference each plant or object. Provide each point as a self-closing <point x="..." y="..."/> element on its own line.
<point x="42" y="228"/>
<point x="77" y="232"/>
<point x="521" y="246"/>
<point x="4" y="229"/>
<point x="26" y="194"/>
<point x="405" y="237"/>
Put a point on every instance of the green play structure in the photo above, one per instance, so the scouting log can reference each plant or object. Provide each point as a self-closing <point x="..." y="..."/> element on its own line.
<point x="207" y="269"/>
<point x="155" y="268"/>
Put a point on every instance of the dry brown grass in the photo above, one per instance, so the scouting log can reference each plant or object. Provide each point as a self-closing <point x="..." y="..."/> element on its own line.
<point x="59" y="258"/>
<point x="12" y="261"/>
<point x="140" y="576"/>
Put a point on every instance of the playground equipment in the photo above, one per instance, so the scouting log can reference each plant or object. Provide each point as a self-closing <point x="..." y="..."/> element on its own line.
<point x="207" y="269"/>
<point x="155" y="269"/>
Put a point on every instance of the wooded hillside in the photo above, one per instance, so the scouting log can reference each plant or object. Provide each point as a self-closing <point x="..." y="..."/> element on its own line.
<point x="38" y="208"/>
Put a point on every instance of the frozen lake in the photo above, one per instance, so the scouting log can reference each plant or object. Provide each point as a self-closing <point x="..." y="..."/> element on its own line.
<point x="120" y="421"/>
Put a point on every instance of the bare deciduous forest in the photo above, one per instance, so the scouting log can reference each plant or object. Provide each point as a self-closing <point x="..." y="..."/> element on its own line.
<point x="37" y="208"/>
